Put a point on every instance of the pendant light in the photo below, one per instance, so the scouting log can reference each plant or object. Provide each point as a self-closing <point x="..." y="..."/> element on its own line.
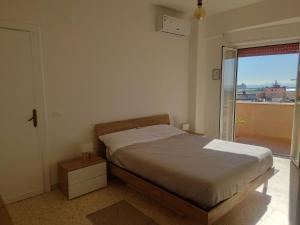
<point x="200" y="12"/>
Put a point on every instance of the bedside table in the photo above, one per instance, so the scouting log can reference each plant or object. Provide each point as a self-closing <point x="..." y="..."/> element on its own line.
<point x="78" y="177"/>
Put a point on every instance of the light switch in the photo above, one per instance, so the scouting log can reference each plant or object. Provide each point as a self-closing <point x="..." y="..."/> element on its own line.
<point x="216" y="74"/>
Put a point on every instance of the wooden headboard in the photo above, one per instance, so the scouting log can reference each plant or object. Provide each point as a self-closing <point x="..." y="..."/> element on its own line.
<point x="111" y="127"/>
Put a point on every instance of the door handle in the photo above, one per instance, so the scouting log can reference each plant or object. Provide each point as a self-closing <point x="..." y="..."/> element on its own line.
<point x="34" y="118"/>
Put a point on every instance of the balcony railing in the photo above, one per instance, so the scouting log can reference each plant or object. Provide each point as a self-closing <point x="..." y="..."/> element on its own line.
<point x="266" y="124"/>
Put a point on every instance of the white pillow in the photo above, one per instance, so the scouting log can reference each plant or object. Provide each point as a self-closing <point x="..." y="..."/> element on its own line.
<point x="117" y="140"/>
<point x="162" y="131"/>
<point x="121" y="139"/>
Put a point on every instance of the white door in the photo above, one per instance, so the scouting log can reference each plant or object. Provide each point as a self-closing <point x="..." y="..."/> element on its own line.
<point x="21" y="168"/>
<point x="296" y="129"/>
<point x="228" y="91"/>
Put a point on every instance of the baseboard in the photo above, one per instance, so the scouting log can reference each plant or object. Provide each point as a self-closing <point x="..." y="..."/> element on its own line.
<point x="16" y="198"/>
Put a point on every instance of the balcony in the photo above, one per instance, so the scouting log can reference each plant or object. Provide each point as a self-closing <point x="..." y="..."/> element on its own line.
<point x="265" y="124"/>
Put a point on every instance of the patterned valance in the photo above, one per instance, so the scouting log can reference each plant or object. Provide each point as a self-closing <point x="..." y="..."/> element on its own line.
<point x="269" y="50"/>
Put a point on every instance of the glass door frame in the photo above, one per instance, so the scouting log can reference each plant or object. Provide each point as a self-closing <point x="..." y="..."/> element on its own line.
<point x="234" y="92"/>
<point x="296" y="128"/>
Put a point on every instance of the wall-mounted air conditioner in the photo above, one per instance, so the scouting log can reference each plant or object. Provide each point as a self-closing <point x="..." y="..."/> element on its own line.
<point x="172" y="25"/>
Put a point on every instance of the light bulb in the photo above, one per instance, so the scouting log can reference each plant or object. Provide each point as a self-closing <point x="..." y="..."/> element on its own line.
<point x="200" y="13"/>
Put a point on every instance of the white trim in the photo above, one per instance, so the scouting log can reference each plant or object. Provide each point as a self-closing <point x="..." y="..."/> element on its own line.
<point x="296" y="161"/>
<point x="265" y="25"/>
<point x="234" y="94"/>
<point x="15" y="198"/>
<point x="40" y="94"/>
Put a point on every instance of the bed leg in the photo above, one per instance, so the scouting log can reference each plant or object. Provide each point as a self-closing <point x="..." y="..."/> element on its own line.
<point x="265" y="188"/>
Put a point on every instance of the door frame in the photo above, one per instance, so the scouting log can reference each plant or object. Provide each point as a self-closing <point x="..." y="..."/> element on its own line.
<point x="295" y="161"/>
<point x="221" y="91"/>
<point x="40" y="99"/>
<point x="239" y="46"/>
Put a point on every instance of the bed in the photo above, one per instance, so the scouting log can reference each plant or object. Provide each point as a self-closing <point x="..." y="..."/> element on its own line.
<point x="195" y="176"/>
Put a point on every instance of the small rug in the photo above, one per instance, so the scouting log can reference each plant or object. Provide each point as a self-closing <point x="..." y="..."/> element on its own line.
<point x="121" y="213"/>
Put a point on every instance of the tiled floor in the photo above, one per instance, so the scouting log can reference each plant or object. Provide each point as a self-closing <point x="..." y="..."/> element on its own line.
<point x="53" y="208"/>
<point x="276" y="145"/>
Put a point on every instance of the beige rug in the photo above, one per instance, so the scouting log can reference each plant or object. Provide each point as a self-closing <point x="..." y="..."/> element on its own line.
<point x="121" y="213"/>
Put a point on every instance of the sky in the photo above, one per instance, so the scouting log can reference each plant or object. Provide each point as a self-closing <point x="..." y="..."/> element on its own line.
<point x="264" y="70"/>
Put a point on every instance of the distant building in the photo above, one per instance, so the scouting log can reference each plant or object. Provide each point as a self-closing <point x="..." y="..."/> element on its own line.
<point x="275" y="93"/>
<point x="260" y="97"/>
<point x="242" y="86"/>
<point x="246" y="96"/>
<point x="290" y="96"/>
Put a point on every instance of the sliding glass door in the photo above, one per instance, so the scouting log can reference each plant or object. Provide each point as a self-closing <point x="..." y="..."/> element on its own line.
<point x="296" y="129"/>
<point x="228" y="91"/>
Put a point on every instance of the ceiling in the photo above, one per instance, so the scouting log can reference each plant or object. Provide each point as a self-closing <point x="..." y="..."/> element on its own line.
<point x="211" y="6"/>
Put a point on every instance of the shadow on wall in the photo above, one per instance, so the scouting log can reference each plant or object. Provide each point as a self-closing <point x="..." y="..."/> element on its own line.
<point x="250" y="211"/>
<point x="294" y="195"/>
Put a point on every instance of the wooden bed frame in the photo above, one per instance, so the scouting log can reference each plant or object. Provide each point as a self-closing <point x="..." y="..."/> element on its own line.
<point x="168" y="199"/>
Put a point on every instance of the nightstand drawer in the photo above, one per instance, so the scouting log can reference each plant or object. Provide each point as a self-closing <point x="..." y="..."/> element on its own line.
<point x="87" y="186"/>
<point x="87" y="173"/>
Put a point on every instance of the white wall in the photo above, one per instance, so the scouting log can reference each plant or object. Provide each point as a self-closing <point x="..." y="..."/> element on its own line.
<point x="267" y="22"/>
<point x="208" y="90"/>
<point x="104" y="61"/>
<point x="271" y="34"/>
<point x="264" y="12"/>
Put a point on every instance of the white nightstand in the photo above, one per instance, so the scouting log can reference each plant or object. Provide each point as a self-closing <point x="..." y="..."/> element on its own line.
<point x="78" y="177"/>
